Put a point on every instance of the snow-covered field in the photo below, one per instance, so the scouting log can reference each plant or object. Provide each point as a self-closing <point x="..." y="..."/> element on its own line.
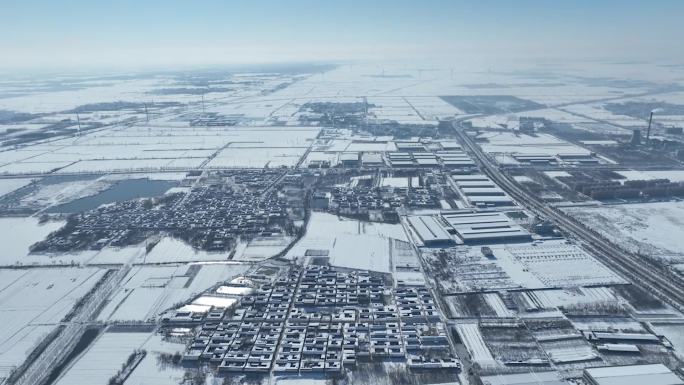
<point x="18" y="234"/>
<point x="262" y="248"/>
<point x="175" y="250"/>
<point x="150" y="372"/>
<point x="648" y="228"/>
<point x="163" y="147"/>
<point x="147" y="291"/>
<point x="349" y="243"/>
<point x="104" y="358"/>
<point x="9" y="185"/>
<point x="598" y="112"/>
<point x="32" y="303"/>
<point x="47" y="194"/>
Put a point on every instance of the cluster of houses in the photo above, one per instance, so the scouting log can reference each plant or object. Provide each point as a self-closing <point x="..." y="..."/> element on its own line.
<point x="361" y="200"/>
<point x="320" y="319"/>
<point x="210" y="216"/>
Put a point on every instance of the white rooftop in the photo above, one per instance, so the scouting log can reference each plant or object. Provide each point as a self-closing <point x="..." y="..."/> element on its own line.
<point x="428" y="229"/>
<point x="654" y="374"/>
<point x="476" y="227"/>
<point x="538" y="378"/>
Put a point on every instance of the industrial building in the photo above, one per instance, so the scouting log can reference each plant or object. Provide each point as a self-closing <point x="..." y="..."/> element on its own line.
<point x="654" y="374"/>
<point x="485" y="227"/>
<point x="453" y="159"/>
<point x="372" y="159"/>
<point x="349" y="159"/>
<point x="410" y="146"/>
<point x="532" y="378"/>
<point x="480" y="191"/>
<point x="450" y="144"/>
<point x="414" y="156"/>
<point x="430" y="231"/>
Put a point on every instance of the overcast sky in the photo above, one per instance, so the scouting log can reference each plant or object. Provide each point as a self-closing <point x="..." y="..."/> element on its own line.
<point x="51" y="34"/>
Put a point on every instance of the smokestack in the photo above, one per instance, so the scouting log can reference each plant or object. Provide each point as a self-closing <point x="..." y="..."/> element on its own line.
<point x="648" y="132"/>
<point x="650" y="120"/>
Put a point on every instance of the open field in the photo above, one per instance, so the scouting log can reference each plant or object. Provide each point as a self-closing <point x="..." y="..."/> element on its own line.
<point x="104" y="358"/>
<point x="33" y="302"/>
<point x="646" y="228"/>
<point x="148" y="291"/>
<point x="348" y="242"/>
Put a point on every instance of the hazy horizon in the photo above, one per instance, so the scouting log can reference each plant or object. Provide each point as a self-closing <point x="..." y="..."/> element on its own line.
<point x="74" y="35"/>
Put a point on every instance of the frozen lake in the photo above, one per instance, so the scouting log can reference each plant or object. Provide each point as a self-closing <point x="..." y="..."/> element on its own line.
<point x="121" y="191"/>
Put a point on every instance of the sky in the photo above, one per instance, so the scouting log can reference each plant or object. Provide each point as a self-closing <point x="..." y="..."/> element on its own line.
<point x="46" y="34"/>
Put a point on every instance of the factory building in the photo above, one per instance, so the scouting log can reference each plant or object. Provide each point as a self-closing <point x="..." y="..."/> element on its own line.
<point x="372" y="159"/>
<point x="485" y="227"/>
<point x="654" y="374"/>
<point x="532" y="378"/>
<point x="480" y="191"/>
<point x="350" y="159"/>
<point x="430" y="231"/>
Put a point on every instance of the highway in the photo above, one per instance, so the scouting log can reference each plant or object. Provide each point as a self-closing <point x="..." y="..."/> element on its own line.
<point x="641" y="271"/>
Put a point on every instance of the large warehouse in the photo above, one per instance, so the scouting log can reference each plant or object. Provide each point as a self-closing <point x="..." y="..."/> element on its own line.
<point x="430" y="232"/>
<point x="655" y="374"/>
<point x="533" y="378"/>
<point x="479" y="190"/>
<point x="486" y="227"/>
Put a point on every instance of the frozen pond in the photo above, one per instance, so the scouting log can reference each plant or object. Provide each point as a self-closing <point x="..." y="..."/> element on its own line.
<point x="121" y="191"/>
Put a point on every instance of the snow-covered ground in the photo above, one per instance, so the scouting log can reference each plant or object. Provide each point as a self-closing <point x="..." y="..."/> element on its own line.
<point x="18" y="234"/>
<point x="148" y="291"/>
<point x="175" y="250"/>
<point x="648" y="228"/>
<point x="262" y="248"/>
<point x="33" y="302"/>
<point x="9" y="185"/>
<point x="150" y="372"/>
<point x="104" y="358"/>
<point x="348" y="242"/>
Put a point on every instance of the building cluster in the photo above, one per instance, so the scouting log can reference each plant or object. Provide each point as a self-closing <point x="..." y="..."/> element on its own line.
<point x="254" y="179"/>
<point x="445" y="153"/>
<point x="332" y="319"/>
<point x="210" y="217"/>
<point x="631" y="189"/>
<point x="361" y="200"/>
<point x="334" y="114"/>
<point x="436" y="159"/>
<point x="386" y="151"/>
<point x="561" y="158"/>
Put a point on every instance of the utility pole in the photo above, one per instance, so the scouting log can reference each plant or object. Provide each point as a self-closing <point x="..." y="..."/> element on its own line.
<point x="78" y="119"/>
